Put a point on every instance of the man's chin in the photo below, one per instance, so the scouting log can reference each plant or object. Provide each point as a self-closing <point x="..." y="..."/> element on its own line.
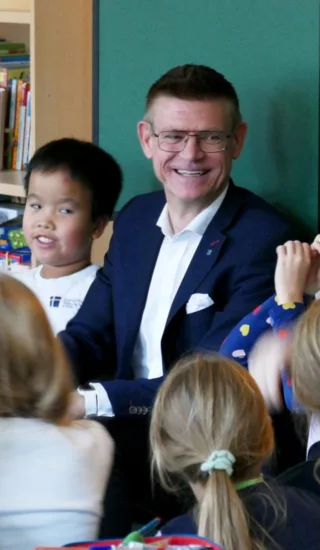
<point x="194" y="193"/>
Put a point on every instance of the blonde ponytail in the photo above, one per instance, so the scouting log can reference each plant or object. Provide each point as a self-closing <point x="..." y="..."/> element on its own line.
<point x="211" y="428"/>
<point x="222" y="517"/>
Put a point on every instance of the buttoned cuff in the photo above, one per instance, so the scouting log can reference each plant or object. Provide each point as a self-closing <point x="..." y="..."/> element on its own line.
<point x="103" y="407"/>
<point x="90" y="401"/>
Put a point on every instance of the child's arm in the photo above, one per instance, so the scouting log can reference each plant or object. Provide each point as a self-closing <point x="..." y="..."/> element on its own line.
<point x="292" y="277"/>
<point x="278" y="313"/>
<point x="245" y="334"/>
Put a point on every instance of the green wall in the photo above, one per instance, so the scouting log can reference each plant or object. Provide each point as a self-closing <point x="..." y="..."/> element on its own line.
<point x="269" y="49"/>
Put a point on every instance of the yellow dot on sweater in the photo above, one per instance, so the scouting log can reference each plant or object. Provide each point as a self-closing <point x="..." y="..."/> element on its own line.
<point x="245" y="329"/>
<point x="289" y="305"/>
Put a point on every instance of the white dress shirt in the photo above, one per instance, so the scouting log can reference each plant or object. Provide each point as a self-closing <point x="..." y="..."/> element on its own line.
<point x="174" y="258"/>
<point x="314" y="431"/>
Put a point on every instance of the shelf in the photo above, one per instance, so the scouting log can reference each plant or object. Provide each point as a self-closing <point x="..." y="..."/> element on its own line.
<point x="20" y="17"/>
<point x="11" y="183"/>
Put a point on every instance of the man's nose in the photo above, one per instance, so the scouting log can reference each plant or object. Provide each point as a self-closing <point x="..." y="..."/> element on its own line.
<point x="192" y="149"/>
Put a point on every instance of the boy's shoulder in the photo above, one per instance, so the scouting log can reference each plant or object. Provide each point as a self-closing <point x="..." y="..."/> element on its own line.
<point x="33" y="279"/>
<point x="26" y="275"/>
<point x="35" y="272"/>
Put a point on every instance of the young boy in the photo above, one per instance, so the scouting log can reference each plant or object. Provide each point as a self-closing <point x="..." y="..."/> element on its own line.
<point x="72" y="187"/>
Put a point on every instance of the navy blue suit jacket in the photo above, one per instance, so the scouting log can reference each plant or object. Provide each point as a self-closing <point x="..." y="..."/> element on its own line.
<point x="304" y="475"/>
<point x="234" y="263"/>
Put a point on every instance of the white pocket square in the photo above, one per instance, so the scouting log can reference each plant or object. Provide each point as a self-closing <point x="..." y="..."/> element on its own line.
<point x="197" y="302"/>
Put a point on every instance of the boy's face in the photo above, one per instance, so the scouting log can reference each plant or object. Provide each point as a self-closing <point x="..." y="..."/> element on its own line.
<point x="57" y="223"/>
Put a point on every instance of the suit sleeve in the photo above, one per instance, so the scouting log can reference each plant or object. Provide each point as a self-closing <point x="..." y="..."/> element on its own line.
<point x="89" y="336"/>
<point x="129" y="397"/>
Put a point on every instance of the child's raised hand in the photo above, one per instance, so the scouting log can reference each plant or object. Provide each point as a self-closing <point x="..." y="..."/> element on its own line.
<point x="313" y="280"/>
<point x="292" y="271"/>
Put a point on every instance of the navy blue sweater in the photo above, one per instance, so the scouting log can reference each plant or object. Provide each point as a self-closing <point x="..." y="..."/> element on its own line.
<point x="302" y="475"/>
<point x="298" y="529"/>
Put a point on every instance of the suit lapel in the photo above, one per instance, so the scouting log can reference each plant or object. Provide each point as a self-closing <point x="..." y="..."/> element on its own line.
<point x="138" y="266"/>
<point x="208" y="251"/>
<point x="202" y="262"/>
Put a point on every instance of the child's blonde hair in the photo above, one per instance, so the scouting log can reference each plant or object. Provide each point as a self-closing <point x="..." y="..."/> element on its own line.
<point x="305" y="361"/>
<point x="209" y="403"/>
<point x="35" y="377"/>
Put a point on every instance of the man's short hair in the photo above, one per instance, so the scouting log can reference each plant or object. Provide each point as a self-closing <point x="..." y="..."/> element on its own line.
<point x="195" y="82"/>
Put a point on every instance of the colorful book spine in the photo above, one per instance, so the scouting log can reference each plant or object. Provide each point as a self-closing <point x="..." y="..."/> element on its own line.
<point x="22" y="125"/>
<point x="11" y="110"/>
<point x="17" y="124"/>
<point x="27" y="133"/>
<point x="3" y="112"/>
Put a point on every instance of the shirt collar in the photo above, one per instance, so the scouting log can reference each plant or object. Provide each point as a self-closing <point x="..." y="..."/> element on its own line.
<point x="198" y="225"/>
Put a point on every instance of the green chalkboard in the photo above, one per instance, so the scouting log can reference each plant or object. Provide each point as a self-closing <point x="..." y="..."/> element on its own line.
<point x="270" y="52"/>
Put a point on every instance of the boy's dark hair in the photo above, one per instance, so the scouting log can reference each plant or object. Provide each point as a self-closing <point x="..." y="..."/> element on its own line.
<point x="86" y="163"/>
<point x="195" y="82"/>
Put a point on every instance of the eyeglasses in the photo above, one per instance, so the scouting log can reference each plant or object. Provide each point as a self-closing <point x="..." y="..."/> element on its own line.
<point x="174" y="141"/>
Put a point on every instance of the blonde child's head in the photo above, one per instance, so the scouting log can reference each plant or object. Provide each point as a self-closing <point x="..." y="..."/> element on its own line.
<point x="206" y="404"/>
<point x="305" y="359"/>
<point x="35" y="377"/>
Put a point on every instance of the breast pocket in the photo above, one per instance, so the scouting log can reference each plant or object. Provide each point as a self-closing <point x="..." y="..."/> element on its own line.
<point x="198" y="323"/>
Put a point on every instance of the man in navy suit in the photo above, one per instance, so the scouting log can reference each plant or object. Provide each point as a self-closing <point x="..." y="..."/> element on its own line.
<point x="184" y="266"/>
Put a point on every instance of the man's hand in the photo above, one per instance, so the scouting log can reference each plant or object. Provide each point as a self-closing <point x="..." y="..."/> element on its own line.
<point x="266" y="363"/>
<point x="77" y="406"/>
<point x="293" y="271"/>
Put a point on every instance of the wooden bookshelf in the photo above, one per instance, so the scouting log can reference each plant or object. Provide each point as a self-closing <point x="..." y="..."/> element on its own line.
<point x="15" y="17"/>
<point x="15" y="5"/>
<point x="11" y="183"/>
<point x="60" y="37"/>
<point x="60" y="41"/>
<point x="17" y="12"/>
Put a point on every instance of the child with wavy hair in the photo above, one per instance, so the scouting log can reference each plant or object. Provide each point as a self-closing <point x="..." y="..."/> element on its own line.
<point x="210" y="428"/>
<point x="305" y="372"/>
<point x="53" y="472"/>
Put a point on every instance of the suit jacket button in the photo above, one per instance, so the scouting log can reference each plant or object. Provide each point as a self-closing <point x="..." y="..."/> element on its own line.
<point x="139" y="410"/>
<point x="133" y="410"/>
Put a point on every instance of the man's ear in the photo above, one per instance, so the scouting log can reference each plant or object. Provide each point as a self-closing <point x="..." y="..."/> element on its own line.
<point x="238" y="139"/>
<point x="145" y="137"/>
<point x="99" y="227"/>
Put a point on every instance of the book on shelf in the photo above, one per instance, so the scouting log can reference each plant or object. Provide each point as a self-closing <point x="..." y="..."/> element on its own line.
<point x="3" y="104"/>
<point x="17" y="131"/>
<point x="14" y="58"/>
<point x="15" y="105"/>
<point x="27" y="132"/>
<point x="12" y="47"/>
<point x="19" y="72"/>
